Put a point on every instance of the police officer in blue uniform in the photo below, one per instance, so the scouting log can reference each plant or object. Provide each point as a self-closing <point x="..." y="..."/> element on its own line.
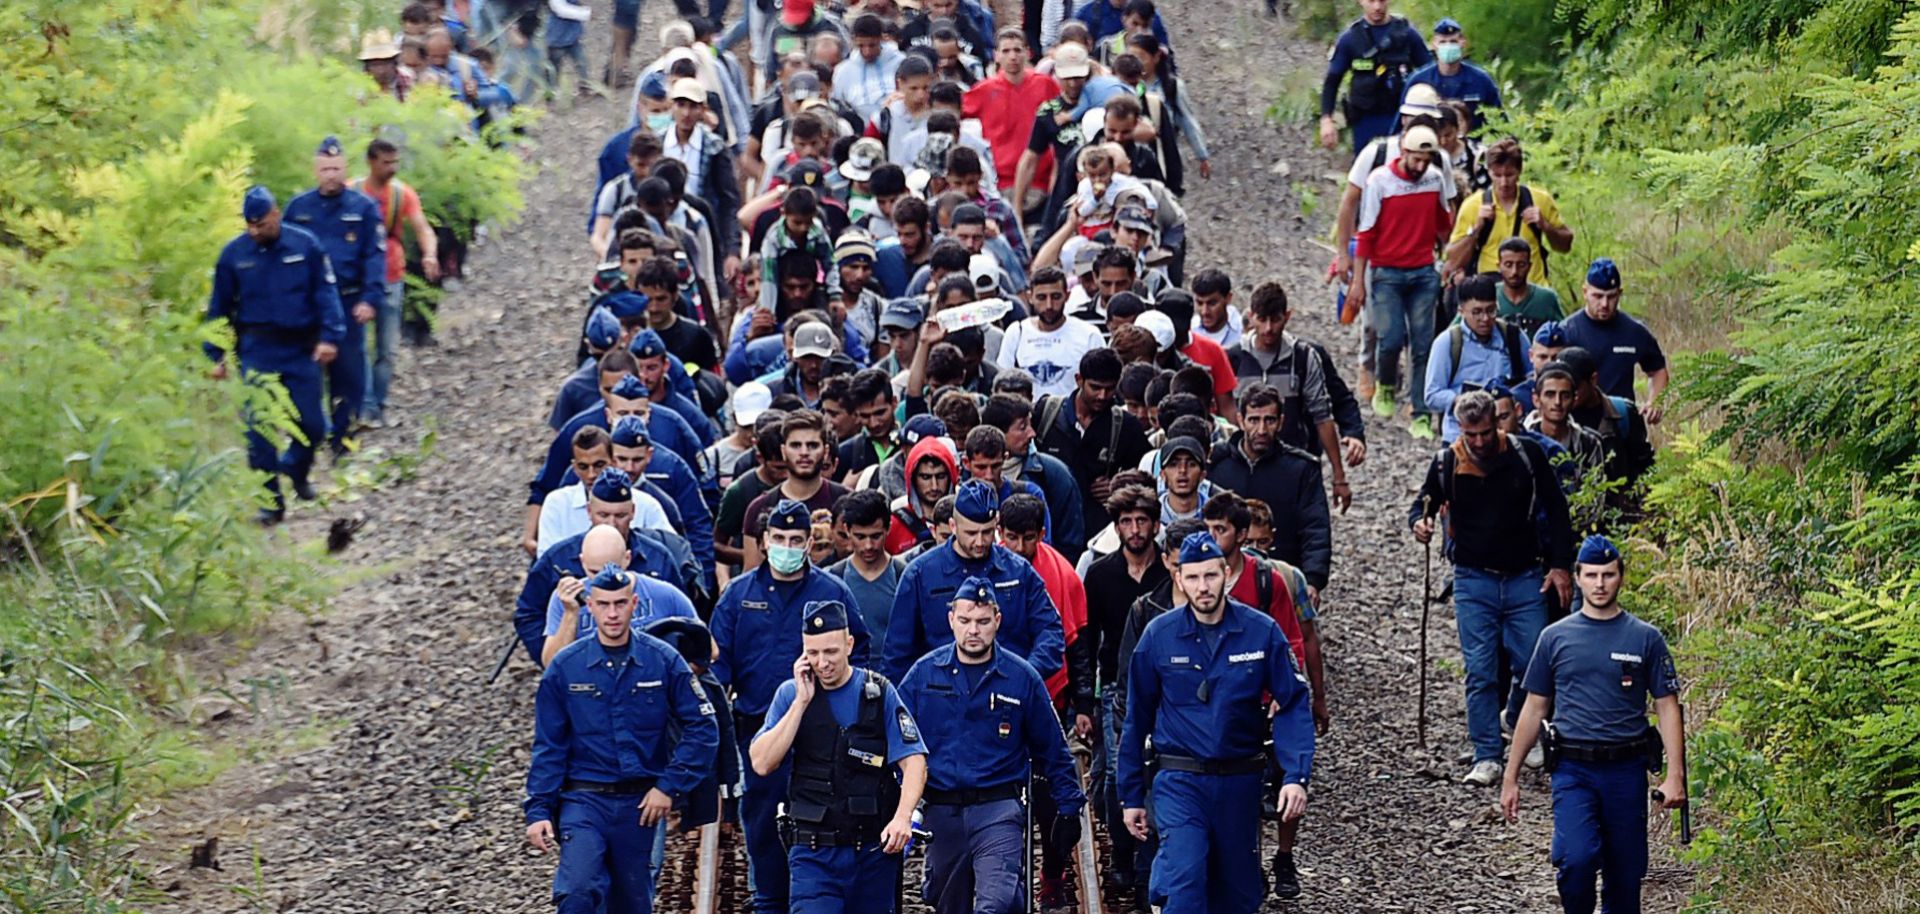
<point x="622" y="732"/>
<point x="986" y="717"/>
<point x="1030" y="622"/>
<point x="1594" y="671"/>
<point x="655" y="362"/>
<point x="757" y="624"/>
<point x="858" y="766"/>
<point x="1196" y="683"/>
<point x="349" y="224"/>
<point x="274" y="286"/>
<point x="1380" y="50"/>
<point x="656" y="554"/>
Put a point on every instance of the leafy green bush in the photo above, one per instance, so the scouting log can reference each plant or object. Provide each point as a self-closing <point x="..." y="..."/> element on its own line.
<point x="124" y="490"/>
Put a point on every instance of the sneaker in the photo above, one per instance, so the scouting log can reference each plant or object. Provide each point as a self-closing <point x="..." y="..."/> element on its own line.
<point x="1485" y="773"/>
<point x="1465" y="756"/>
<point x="1286" y="879"/>
<point x="1536" y="756"/>
<point x="1421" y="427"/>
<point x="1383" y="400"/>
<point x="372" y="423"/>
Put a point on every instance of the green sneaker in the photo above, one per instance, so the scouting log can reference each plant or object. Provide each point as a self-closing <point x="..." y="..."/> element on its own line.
<point x="1383" y="401"/>
<point x="1422" y="427"/>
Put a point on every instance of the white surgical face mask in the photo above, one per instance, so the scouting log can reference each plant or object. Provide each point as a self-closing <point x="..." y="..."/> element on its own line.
<point x="786" y="559"/>
<point x="660" y="121"/>
<point x="1448" y="53"/>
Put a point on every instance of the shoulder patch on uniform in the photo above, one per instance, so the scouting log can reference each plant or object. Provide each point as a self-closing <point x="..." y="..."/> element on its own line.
<point x="909" y="731"/>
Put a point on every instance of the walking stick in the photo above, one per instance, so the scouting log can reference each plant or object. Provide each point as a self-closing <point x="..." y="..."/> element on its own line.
<point x="1426" y="606"/>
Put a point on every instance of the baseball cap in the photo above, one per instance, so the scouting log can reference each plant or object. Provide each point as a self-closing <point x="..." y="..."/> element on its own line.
<point x="378" y="44"/>
<point x="984" y="270"/>
<point x="865" y="155"/>
<point x="1185" y="444"/>
<point x="803" y="85"/>
<point x="812" y="338"/>
<point x="1421" y="99"/>
<point x="1084" y="257"/>
<point x="806" y="173"/>
<point x="796" y="12"/>
<point x="903" y="314"/>
<point x="1135" y="217"/>
<point x="1070" y="61"/>
<point x="689" y="89"/>
<point x="1158" y="324"/>
<point x="1446" y="26"/>
<point x="1419" y="139"/>
<point x="749" y="401"/>
<point x="925" y="425"/>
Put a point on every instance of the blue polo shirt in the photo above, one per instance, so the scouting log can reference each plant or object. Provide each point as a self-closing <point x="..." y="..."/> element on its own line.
<point x="1617" y="346"/>
<point x="1600" y="675"/>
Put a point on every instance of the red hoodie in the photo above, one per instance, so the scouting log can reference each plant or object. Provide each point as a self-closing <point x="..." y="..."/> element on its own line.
<point x="900" y="536"/>
<point x="1069" y="596"/>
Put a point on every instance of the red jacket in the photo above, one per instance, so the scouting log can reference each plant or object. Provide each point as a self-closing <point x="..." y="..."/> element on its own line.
<point x="1402" y="219"/>
<point x="1070" y="597"/>
<point x="902" y="536"/>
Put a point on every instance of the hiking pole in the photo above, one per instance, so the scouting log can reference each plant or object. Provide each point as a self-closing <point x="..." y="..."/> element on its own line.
<point x="1426" y="606"/>
<point x="506" y="655"/>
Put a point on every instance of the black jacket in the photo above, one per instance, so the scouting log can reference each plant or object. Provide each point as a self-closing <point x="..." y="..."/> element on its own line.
<point x="1143" y="610"/>
<point x="1289" y="481"/>
<point x="1491" y="511"/>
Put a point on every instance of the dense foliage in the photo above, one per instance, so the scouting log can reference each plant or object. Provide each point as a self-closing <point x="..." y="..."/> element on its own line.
<point x="130" y="129"/>
<point x="1752" y="167"/>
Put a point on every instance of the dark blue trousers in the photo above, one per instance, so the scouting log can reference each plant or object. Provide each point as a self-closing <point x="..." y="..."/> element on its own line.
<point x="843" y="880"/>
<point x="347" y="381"/>
<point x="300" y="375"/>
<point x="604" y="856"/>
<point x="974" y="863"/>
<point x="1600" y="829"/>
<point x="1209" y="830"/>
<point x="766" y="856"/>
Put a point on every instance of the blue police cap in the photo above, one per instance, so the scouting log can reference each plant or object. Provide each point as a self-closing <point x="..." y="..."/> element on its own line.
<point x="626" y="303"/>
<point x="631" y="431"/>
<point x="1446" y="26"/>
<point x="611" y="577"/>
<point x="1550" y="335"/>
<point x="647" y="344"/>
<point x="257" y="203"/>
<point x="613" y="486"/>
<point x="925" y="425"/>
<point x="1603" y="274"/>
<point x="603" y="329"/>
<point x="790" y="515"/>
<point x="1499" y="390"/>
<point x="824" y="616"/>
<point x="330" y="147"/>
<point x="976" y="589"/>
<point x="630" y="388"/>
<point x="692" y="640"/>
<point x="1199" y="547"/>
<point x="654" y="85"/>
<point x="976" y="501"/>
<point x="1597" y="550"/>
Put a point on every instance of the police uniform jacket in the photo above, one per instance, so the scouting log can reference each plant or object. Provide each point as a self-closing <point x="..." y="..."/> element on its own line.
<point x="350" y="227"/>
<point x="1208" y="704"/>
<point x="987" y="737"/>
<point x="759" y="633"/>
<point x="669" y="474"/>
<point x="667" y="429"/>
<point x="1030" y="623"/>
<point x="650" y="557"/>
<point x="280" y="299"/>
<point x="598" y="719"/>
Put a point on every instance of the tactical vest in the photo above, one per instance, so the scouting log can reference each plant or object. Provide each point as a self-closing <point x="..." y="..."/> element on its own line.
<point x="1380" y="77"/>
<point x="841" y="780"/>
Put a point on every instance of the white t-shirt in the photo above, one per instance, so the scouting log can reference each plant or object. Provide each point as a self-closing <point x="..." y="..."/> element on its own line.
<point x="1052" y="358"/>
<point x="1228" y="335"/>
<point x="1363" y="163"/>
<point x="564" y="514"/>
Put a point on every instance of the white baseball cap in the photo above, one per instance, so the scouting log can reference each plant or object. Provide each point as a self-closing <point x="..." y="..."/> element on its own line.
<point x="749" y="401"/>
<point x="1158" y="324"/>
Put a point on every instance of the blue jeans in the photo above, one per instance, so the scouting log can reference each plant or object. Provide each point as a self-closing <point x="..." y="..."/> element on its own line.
<point x="1402" y="304"/>
<point x="1495" y="613"/>
<point x="386" y="339"/>
<point x="1600" y="829"/>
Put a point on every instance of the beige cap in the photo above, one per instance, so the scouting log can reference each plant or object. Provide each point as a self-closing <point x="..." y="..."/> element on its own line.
<point x="1421" y="99"/>
<point x="689" y="89"/>
<point x="378" y="44"/>
<point x="1419" y="139"/>
<point x="1070" y="61"/>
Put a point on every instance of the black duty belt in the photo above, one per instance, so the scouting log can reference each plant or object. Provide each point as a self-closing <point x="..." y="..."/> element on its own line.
<point x="1250" y="765"/>
<point x="273" y="333"/>
<point x="631" y="788"/>
<point x="804" y="836"/>
<point x="1603" y="752"/>
<point x="972" y="796"/>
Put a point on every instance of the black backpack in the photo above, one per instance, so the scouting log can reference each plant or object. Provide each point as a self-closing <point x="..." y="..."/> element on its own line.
<point x="1484" y="232"/>
<point x="1516" y="363"/>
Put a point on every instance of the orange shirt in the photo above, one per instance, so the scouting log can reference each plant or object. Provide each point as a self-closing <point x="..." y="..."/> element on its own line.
<point x="409" y="208"/>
